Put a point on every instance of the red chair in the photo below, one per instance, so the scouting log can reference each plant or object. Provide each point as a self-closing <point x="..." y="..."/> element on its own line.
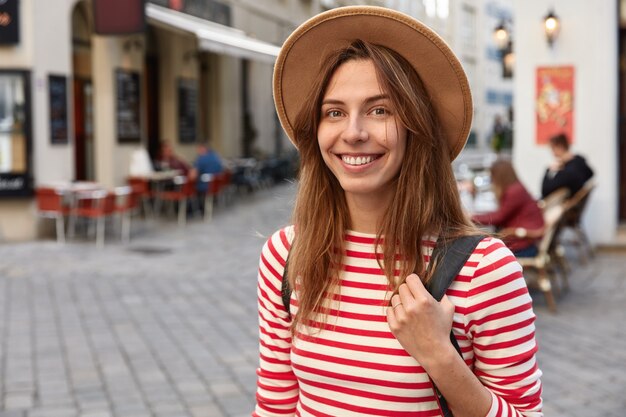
<point x="215" y="185"/>
<point x="126" y="204"/>
<point x="142" y="190"/>
<point x="51" y="205"/>
<point x="227" y="188"/>
<point x="94" y="205"/>
<point x="184" y="190"/>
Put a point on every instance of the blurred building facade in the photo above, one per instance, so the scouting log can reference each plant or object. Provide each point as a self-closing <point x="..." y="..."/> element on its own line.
<point x="587" y="51"/>
<point x="85" y="101"/>
<point x="76" y="104"/>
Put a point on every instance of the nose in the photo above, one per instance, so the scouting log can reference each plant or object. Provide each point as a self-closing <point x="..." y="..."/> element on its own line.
<point x="355" y="131"/>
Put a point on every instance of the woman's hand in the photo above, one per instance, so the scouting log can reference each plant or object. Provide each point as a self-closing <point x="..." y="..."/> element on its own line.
<point x="420" y="323"/>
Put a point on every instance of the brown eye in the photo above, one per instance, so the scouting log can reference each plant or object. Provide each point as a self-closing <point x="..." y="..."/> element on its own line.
<point x="380" y="111"/>
<point x="334" y="113"/>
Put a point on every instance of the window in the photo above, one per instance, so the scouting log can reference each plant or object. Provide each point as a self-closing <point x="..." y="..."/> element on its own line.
<point x="15" y="178"/>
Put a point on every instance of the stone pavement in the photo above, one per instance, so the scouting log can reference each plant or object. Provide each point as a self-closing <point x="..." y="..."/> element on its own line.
<point x="166" y="326"/>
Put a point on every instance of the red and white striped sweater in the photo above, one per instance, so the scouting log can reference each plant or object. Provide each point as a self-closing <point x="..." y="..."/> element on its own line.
<point x="357" y="368"/>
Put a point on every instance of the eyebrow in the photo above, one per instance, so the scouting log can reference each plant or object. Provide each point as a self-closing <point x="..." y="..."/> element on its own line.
<point x="367" y="101"/>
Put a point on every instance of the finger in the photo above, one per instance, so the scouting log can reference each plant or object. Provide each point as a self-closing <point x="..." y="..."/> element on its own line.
<point x="395" y="301"/>
<point x="395" y="312"/>
<point x="405" y="294"/>
<point x="392" y="321"/>
<point x="416" y="286"/>
<point x="397" y="308"/>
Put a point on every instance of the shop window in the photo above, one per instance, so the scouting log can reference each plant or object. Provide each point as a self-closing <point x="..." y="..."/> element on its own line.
<point x="15" y="128"/>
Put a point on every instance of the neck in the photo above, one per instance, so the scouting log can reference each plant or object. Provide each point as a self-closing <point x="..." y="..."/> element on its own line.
<point x="366" y="212"/>
<point x="567" y="156"/>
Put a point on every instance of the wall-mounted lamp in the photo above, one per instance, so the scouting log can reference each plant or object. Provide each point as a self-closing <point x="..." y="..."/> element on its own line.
<point x="501" y="36"/>
<point x="504" y="43"/>
<point x="552" y="27"/>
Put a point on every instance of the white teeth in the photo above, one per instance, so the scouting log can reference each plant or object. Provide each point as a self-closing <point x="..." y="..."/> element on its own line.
<point x="359" y="160"/>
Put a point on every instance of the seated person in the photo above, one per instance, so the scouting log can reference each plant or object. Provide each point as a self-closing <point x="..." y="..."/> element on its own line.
<point x="567" y="171"/>
<point x="207" y="162"/>
<point x="169" y="160"/>
<point x="518" y="216"/>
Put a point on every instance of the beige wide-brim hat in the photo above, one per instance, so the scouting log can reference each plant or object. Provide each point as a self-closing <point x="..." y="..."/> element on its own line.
<point x="300" y="59"/>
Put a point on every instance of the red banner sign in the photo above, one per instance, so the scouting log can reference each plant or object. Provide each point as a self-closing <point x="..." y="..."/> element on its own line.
<point x="119" y="17"/>
<point x="554" y="104"/>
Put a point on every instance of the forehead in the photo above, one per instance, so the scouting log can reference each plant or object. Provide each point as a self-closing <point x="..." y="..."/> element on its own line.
<point x="354" y="78"/>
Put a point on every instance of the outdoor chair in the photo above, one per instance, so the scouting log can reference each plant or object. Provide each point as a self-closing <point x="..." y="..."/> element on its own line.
<point x="92" y="205"/>
<point x="214" y="185"/>
<point x="572" y="220"/>
<point x="227" y="187"/>
<point x="51" y="204"/>
<point x="554" y="198"/>
<point x="184" y="191"/>
<point x="126" y="204"/>
<point x="546" y="262"/>
<point x="142" y="191"/>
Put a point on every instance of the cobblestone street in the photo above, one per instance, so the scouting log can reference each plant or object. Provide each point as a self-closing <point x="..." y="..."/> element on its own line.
<point x="166" y="326"/>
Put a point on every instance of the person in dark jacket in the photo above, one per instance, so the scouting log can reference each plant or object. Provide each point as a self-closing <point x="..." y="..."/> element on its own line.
<point x="567" y="171"/>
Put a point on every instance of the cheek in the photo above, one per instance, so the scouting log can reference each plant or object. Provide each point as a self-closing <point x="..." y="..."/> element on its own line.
<point x="324" y="138"/>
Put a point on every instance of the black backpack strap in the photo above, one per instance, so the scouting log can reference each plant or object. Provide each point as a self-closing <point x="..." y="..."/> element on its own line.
<point x="285" y="289"/>
<point x="450" y="256"/>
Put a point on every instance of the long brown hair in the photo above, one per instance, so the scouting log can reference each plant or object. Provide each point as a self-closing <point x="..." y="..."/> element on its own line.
<point x="425" y="200"/>
<point x="502" y="177"/>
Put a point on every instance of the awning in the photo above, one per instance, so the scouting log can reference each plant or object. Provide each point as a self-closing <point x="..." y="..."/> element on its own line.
<point x="212" y="36"/>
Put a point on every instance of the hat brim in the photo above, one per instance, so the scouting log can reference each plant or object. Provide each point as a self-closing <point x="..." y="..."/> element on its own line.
<point x="301" y="56"/>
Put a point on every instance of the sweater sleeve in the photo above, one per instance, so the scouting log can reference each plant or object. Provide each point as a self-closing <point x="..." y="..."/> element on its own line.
<point x="500" y="321"/>
<point x="509" y="205"/>
<point x="277" y="388"/>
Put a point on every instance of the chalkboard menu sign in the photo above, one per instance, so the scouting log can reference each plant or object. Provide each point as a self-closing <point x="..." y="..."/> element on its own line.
<point x="187" y="110"/>
<point x="128" y="108"/>
<point x="57" y="92"/>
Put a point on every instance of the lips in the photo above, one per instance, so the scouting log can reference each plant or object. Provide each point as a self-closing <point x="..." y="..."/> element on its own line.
<point x="357" y="160"/>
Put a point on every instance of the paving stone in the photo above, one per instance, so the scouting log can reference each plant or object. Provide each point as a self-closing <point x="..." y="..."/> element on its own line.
<point x="14" y="413"/>
<point x="18" y="401"/>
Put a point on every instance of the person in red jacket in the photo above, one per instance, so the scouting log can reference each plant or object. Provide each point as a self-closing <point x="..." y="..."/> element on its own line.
<point x="518" y="217"/>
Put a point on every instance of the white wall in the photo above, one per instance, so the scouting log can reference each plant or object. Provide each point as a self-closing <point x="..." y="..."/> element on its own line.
<point x="112" y="160"/>
<point x="588" y="41"/>
<point x="52" y="55"/>
<point x="228" y="139"/>
<point x="177" y="59"/>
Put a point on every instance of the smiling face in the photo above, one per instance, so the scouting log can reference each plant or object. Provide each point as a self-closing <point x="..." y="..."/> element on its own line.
<point x="359" y="136"/>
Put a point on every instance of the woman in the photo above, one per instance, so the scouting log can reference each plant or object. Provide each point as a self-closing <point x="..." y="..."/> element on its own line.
<point x="378" y="106"/>
<point x="518" y="217"/>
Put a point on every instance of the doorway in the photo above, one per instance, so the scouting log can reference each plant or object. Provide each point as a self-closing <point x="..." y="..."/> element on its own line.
<point x="84" y="149"/>
<point x="622" y="124"/>
<point x="83" y="130"/>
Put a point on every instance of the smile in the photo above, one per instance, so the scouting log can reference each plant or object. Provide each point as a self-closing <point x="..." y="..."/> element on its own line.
<point x="358" y="160"/>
